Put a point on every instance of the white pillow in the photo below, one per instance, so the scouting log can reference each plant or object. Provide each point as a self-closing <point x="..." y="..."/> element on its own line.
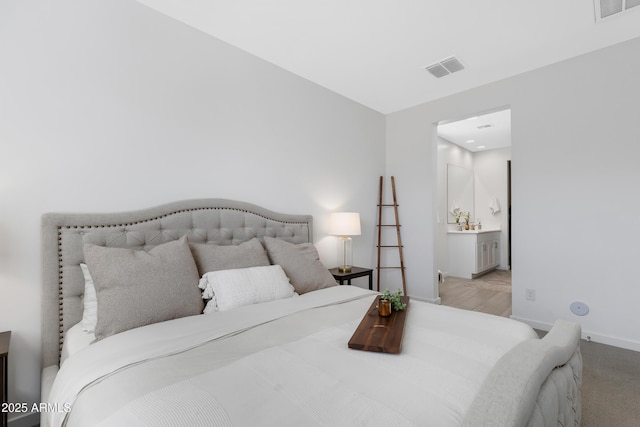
<point x="90" y="313"/>
<point x="243" y="286"/>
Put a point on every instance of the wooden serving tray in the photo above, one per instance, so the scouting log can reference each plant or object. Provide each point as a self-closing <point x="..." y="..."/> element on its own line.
<point x="380" y="334"/>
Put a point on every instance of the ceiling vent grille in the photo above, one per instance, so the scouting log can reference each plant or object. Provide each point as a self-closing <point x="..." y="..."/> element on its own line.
<point x="607" y="8"/>
<point x="445" y="67"/>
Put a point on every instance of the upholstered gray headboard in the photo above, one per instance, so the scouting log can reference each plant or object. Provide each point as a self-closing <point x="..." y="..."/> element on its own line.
<point x="213" y="221"/>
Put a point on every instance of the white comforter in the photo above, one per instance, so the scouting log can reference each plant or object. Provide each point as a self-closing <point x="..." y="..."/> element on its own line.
<point x="285" y="363"/>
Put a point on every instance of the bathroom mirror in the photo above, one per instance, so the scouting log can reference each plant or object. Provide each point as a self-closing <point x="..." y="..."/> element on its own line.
<point x="459" y="191"/>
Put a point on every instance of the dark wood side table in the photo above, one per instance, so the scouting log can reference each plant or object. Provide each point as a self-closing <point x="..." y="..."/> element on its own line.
<point x="5" y="337"/>
<point x="355" y="272"/>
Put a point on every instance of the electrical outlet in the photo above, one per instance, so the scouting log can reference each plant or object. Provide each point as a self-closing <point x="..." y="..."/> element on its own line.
<point x="530" y="294"/>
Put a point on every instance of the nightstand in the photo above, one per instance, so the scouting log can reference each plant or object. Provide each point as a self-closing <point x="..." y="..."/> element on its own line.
<point x="355" y="272"/>
<point x="5" y="337"/>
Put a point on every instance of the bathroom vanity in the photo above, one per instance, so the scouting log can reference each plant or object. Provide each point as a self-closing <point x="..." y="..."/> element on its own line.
<point x="473" y="252"/>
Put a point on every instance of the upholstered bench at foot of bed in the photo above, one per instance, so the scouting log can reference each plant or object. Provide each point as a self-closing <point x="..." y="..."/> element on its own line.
<point x="537" y="383"/>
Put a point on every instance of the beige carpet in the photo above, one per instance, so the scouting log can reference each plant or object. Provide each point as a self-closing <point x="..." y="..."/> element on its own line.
<point x="610" y="386"/>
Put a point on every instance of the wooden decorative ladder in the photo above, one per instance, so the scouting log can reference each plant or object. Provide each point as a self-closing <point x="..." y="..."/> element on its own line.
<point x="381" y="224"/>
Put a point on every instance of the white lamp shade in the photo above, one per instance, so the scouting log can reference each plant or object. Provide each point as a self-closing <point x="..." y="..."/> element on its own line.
<point x="344" y="224"/>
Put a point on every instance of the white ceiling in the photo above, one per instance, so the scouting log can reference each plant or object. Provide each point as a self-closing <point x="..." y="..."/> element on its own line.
<point x="374" y="51"/>
<point x="479" y="133"/>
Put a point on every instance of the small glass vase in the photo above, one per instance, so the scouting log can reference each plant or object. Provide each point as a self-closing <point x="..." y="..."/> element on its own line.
<point x="384" y="308"/>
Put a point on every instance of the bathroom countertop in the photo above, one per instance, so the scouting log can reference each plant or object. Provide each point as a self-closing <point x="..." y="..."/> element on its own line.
<point x="484" y="230"/>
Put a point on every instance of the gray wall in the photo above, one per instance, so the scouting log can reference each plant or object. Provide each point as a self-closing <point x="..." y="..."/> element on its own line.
<point x="109" y="106"/>
<point x="575" y="152"/>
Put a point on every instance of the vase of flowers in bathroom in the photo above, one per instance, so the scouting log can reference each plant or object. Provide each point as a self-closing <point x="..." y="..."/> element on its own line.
<point x="466" y="217"/>
<point x="462" y="219"/>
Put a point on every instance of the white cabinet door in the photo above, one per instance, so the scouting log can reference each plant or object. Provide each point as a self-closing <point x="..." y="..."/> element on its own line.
<point x="487" y="252"/>
<point x="494" y="253"/>
<point x="483" y="256"/>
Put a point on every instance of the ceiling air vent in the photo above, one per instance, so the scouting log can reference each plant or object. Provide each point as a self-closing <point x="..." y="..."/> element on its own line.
<point x="445" y="67"/>
<point x="607" y="8"/>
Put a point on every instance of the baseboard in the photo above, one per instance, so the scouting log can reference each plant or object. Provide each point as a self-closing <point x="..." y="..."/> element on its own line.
<point x="26" y="420"/>
<point x="587" y="335"/>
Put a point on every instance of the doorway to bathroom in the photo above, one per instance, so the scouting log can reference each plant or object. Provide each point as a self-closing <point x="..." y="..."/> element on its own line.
<point x="474" y="211"/>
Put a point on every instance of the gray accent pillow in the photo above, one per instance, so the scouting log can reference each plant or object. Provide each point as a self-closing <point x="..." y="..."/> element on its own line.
<point x="301" y="263"/>
<point x="137" y="288"/>
<point x="216" y="257"/>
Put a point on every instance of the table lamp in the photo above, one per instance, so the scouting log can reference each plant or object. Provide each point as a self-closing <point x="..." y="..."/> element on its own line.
<point x="344" y="225"/>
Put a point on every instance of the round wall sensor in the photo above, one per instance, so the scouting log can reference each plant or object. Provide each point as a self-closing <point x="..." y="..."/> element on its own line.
<point x="579" y="308"/>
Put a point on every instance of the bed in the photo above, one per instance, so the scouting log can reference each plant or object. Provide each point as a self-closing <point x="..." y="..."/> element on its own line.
<point x="266" y="355"/>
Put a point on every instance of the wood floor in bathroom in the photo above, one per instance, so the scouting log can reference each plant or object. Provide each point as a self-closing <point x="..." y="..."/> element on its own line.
<point x="490" y="293"/>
